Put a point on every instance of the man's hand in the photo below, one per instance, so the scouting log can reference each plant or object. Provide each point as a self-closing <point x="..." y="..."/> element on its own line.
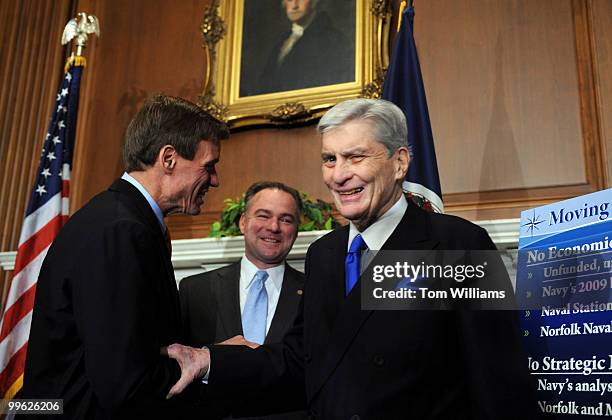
<point x="193" y="362"/>
<point x="239" y="340"/>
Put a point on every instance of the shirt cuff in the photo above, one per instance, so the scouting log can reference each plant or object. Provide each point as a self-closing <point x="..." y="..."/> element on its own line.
<point x="205" y="377"/>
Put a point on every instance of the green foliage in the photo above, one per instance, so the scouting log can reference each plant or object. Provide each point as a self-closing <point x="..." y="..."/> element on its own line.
<point x="316" y="215"/>
<point x="420" y="201"/>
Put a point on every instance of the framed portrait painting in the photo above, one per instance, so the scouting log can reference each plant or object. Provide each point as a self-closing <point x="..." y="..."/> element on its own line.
<point x="288" y="61"/>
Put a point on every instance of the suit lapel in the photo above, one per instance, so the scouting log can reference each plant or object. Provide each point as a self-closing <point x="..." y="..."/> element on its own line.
<point x="140" y="204"/>
<point x="325" y="290"/>
<point x="329" y="303"/>
<point x="286" y="308"/>
<point x="227" y="284"/>
<point x="413" y="232"/>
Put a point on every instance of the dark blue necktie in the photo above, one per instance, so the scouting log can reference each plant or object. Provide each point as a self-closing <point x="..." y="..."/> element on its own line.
<point x="351" y="263"/>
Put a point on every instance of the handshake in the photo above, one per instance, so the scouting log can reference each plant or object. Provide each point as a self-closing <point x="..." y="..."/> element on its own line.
<point x="195" y="363"/>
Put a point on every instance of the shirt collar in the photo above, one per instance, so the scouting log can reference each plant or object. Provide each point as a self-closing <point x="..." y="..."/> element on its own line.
<point x="248" y="270"/>
<point x="299" y="29"/>
<point x="154" y="206"/>
<point x="378" y="232"/>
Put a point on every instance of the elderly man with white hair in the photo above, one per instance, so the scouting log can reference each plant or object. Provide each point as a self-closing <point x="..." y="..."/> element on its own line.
<point x="381" y="364"/>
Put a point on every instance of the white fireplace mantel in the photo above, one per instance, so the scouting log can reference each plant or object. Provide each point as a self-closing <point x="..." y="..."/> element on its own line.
<point x="191" y="256"/>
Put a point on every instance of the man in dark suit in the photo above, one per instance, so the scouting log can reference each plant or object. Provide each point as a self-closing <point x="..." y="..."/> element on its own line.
<point x="314" y="52"/>
<point x="214" y="304"/>
<point x="373" y="364"/>
<point x="106" y="298"/>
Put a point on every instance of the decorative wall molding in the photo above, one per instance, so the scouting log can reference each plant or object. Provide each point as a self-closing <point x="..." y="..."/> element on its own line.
<point x="7" y="260"/>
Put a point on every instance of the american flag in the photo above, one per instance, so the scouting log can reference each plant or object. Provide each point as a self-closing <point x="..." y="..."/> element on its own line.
<point x="46" y="213"/>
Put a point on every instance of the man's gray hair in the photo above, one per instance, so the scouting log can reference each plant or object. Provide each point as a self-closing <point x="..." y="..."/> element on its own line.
<point x="388" y="122"/>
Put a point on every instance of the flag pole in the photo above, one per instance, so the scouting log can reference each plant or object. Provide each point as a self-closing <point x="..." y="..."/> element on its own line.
<point x="46" y="212"/>
<point x="79" y="29"/>
<point x="400" y="12"/>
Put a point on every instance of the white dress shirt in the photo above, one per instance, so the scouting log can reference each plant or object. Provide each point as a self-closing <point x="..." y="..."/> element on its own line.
<point x="378" y="232"/>
<point x="158" y="213"/>
<point x="274" y="283"/>
<point x="297" y="31"/>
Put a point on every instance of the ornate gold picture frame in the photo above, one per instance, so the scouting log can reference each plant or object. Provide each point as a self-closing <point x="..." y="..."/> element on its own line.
<point x="236" y="83"/>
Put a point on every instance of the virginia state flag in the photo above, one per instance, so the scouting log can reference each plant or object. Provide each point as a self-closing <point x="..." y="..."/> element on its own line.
<point x="404" y="87"/>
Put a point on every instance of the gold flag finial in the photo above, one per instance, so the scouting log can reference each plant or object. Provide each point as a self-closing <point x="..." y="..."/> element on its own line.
<point x="79" y="29"/>
<point x="400" y="14"/>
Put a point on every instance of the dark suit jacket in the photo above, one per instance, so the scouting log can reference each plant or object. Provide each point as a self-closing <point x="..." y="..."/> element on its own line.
<point x="210" y="304"/>
<point x="321" y="57"/>
<point x="106" y="301"/>
<point x="454" y="364"/>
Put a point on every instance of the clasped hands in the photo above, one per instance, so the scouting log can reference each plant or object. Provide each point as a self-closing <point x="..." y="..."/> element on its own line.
<point x="194" y="363"/>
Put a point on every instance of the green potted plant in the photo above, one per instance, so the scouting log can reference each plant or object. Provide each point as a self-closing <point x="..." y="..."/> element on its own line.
<point x="316" y="215"/>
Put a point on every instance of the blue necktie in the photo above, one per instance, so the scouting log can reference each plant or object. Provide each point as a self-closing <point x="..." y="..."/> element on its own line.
<point x="255" y="313"/>
<point x="351" y="263"/>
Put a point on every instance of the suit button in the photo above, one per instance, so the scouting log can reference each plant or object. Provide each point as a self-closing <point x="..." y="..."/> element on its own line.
<point x="355" y="417"/>
<point x="307" y="358"/>
<point x="379" y="360"/>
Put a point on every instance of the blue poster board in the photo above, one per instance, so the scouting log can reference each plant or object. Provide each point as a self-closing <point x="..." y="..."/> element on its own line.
<point x="564" y="285"/>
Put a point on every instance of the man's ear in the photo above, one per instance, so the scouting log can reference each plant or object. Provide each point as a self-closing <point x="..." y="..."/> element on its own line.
<point x="401" y="160"/>
<point x="242" y="223"/>
<point x="167" y="158"/>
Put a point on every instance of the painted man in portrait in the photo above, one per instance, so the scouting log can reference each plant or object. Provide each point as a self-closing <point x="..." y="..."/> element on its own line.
<point x="313" y="52"/>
